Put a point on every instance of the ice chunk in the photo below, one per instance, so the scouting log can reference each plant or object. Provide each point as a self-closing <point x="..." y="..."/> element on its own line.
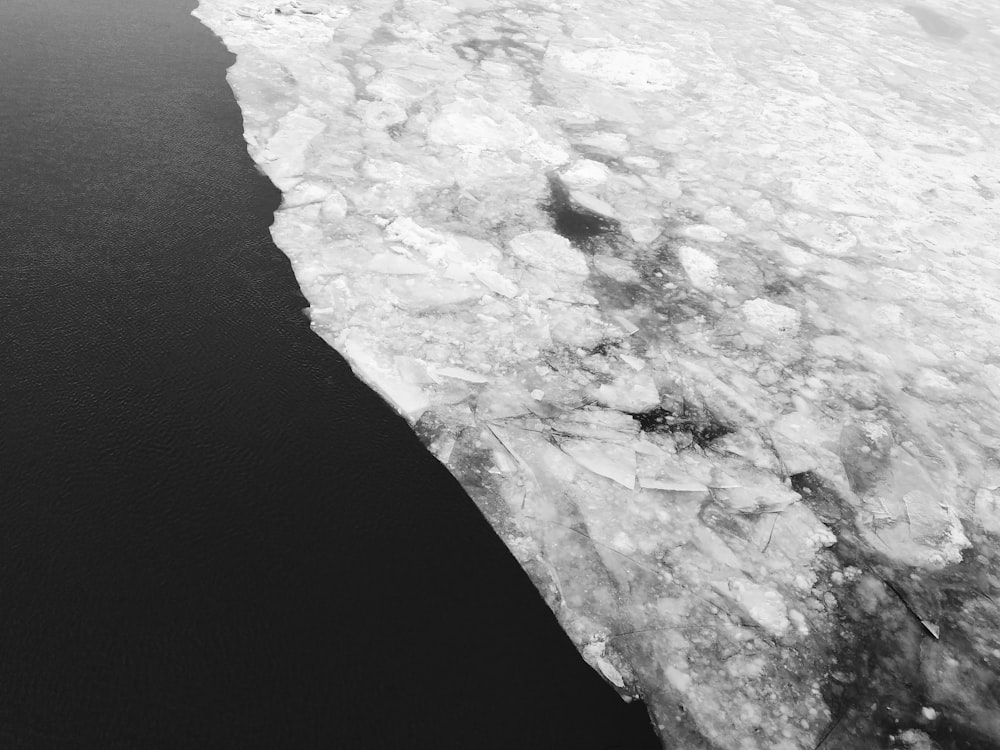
<point x="594" y="653"/>
<point x="630" y="68"/>
<point x="585" y="174"/>
<point x="616" y="462"/>
<point x="633" y="394"/>
<point x="617" y="268"/>
<point x="409" y="399"/>
<point x="334" y="208"/>
<point x="285" y="151"/>
<point x="763" y="605"/>
<point x="549" y="251"/>
<point x="701" y="269"/>
<point x="394" y="264"/>
<point x="460" y="373"/>
<point x="496" y="282"/>
<point x="381" y="115"/>
<point x="477" y="124"/>
<point x="593" y="204"/>
<point x="671" y="485"/>
<point x="771" y="318"/>
<point x="703" y="232"/>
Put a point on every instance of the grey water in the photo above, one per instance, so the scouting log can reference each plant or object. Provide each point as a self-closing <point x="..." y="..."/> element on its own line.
<point x="211" y="534"/>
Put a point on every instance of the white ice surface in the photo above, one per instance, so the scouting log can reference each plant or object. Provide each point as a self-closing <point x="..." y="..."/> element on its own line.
<point x="804" y="245"/>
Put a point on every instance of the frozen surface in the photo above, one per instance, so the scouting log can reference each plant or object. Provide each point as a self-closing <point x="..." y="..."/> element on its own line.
<point x="700" y="301"/>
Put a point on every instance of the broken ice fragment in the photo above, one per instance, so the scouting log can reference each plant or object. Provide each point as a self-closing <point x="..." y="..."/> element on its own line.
<point x="475" y="124"/>
<point x="593" y="204"/>
<point x="594" y="654"/>
<point x="496" y="282"/>
<point x="643" y="233"/>
<point x="364" y="356"/>
<point x="396" y="265"/>
<point x="460" y="373"/>
<point x="627" y="326"/>
<point x="634" y="362"/>
<point x="768" y="317"/>
<point x="633" y="394"/>
<point x="548" y="251"/>
<point x="633" y="69"/>
<point x="671" y="485"/>
<point x="703" y="232"/>
<point x="701" y="270"/>
<point x="616" y="462"/>
<point x="618" y="269"/>
<point x="584" y="174"/>
<point x="763" y="605"/>
<point x="380" y="115"/>
<point x="334" y="208"/>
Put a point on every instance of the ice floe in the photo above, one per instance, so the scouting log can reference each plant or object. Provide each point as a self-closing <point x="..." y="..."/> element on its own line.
<point x="706" y="294"/>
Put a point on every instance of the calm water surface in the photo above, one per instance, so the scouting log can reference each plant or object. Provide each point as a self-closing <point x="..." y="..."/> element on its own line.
<point x="210" y="534"/>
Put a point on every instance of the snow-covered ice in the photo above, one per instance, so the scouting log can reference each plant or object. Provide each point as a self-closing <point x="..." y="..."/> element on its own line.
<point x="705" y="293"/>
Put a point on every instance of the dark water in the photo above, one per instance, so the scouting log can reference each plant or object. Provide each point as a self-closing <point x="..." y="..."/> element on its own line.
<point x="210" y="534"/>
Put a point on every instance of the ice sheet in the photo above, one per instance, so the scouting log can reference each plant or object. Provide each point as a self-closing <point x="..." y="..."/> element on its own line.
<point x="697" y="290"/>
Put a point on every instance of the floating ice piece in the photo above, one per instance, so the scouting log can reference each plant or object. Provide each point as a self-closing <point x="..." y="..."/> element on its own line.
<point x="396" y="265"/>
<point x="593" y="204"/>
<point x="799" y="441"/>
<point x="460" y="373"/>
<point x="671" y="485"/>
<point x="594" y="654"/>
<point x="496" y="282"/>
<point x="627" y="326"/>
<point x="701" y="269"/>
<point x="409" y="399"/>
<point x="617" y="269"/>
<point x="476" y="124"/>
<point x="616" y="462"/>
<point x="599" y="424"/>
<point x="413" y="370"/>
<point x="768" y="317"/>
<point x="991" y="375"/>
<point x="584" y="174"/>
<point x="334" y="208"/>
<point x="380" y="115"/>
<point x="703" y="232"/>
<point x="437" y="247"/>
<point x="751" y="491"/>
<point x="613" y="143"/>
<point x="285" y="152"/>
<point x="622" y="67"/>
<point x="304" y="194"/>
<point x="549" y="251"/>
<point x="834" y="347"/>
<point x="644" y="232"/>
<point x="633" y="394"/>
<point x="477" y="251"/>
<point x="763" y="605"/>
<point x="725" y="219"/>
<point x="681" y="681"/>
<point x="669" y="139"/>
<point x="642" y="162"/>
<point x="634" y="362"/>
<point x="988" y="509"/>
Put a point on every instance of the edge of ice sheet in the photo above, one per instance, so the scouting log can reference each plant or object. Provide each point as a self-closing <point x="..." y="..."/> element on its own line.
<point x="630" y="408"/>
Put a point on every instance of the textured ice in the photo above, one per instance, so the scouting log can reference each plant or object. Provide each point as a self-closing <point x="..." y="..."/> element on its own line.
<point x="704" y="293"/>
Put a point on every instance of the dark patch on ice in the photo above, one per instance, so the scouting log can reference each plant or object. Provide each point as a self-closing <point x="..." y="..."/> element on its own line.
<point x="700" y="424"/>
<point x="605" y="348"/>
<point x="888" y="666"/>
<point x="572" y="221"/>
<point x="507" y="49"/>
